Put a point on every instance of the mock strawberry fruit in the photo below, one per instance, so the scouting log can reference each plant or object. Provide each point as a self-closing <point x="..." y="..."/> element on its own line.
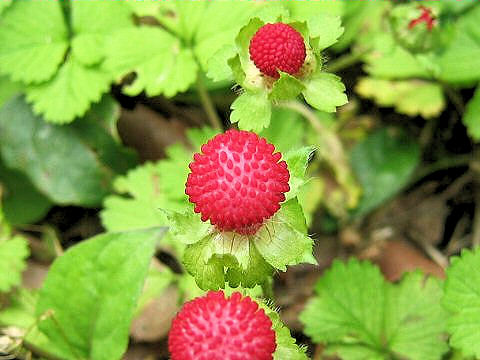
<point x="237" y="181"/>
<point x="212" y="327"/>
<point x="277" y="47"/>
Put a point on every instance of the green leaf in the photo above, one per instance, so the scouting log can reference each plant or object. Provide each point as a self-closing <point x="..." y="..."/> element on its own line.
<point x="70" y="93"/>
<point x="161" y="64"/>
<point x="4" y="4"/>
<point x="287" y="87"/>
<point x="471" y="117"/>
<point x="54" y="158"/>
<point x="361" y="316"/>
<point x="326" y="27"/>
<point x="102" y="279"/>
<point x="252" y="111"/>
<point x="410" y="97"/>
<point x="297" y="161"/>
<point x="283" y="240"/>
<point x="187" y="227"/>
<point x="8" y="88"/>
<point x="33" y="40"/>
<point x="21" y="202"/>
<point x="91" y="22"/>
<point x="462" y="300"/>
<point x="13" y="252"/>
<point x="383" y="163"/>
<point x="158" y="279"/>
<point x="325" y="92"/>
<point x="218" y="65"/>
<point x="286" y="131"/>
<point x="286" y="345"/>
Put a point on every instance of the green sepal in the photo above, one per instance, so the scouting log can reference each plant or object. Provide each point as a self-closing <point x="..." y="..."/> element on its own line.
<point x="325" y="91"/>
<point x="297" y="161"/>
<point x="252" y="111"/>
<point x="286" y="87"/>
<point x="187" y="227"/>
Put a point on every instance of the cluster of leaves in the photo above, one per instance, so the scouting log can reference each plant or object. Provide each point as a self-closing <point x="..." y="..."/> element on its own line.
<point x="358" y="315"/>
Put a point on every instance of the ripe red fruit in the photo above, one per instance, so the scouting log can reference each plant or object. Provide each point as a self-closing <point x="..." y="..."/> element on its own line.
<point x="426" y="16"/>
<point x="277" y="47"/>
<point x="237" y="182"/>
<point x="214" y="328"/>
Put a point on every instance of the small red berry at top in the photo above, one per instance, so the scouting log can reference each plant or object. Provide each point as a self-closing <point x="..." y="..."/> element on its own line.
<point x="426" y="16"/>
<point x="277" y="47"/>
<point x="237" y="181"/>
<point x="213" y="327"/>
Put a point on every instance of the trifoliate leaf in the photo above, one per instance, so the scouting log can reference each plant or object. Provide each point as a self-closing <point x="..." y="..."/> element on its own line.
<point x="8" y="88"/>
<point x="383" y="163"/>
<point x="70" y="93"/>
<point x="462" y="300"/>
<point x="54" y="158"/>
<point x="410" y="97"/>
<point x="283" y="240"/>
<point x="325" y="92"/>
<point x="102" y="279"/>
<point x="22" y="203"/>
<point x="358" y="315"/>
<point x="161" y="64"/>
<point x="287" y="87"/>
<point x="33" y="40"/>
<point x="327" y="28"/>
<point x="13" y="252"/>
<point x="297" y="161"/>
<point x="252" y="111"/>
<point x="471" y="117"/>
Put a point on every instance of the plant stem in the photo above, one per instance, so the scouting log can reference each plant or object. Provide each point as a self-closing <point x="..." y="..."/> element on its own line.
<point x="208" y="104"/>
<point x="455" y="98"/>
<point x="445" y="163"/>
<point x="346" y="60"/>
<point x="267" y="289"/>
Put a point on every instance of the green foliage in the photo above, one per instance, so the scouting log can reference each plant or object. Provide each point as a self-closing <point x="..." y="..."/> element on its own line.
<point x="462" y="301"/>
<point x="325" y="92"/>
<point x="92" y="290"/>
<point x="72" y="174"/>
<point x="297" y="161"/>
<point x="383" y="163"/>
<point x="471" y="117"/>
<point x="286" y="345"/>
<point x="14" y="251"/>
<point x="358" y="315"/>
<point x="410" y="97"/>
<point x="252" y="111"/>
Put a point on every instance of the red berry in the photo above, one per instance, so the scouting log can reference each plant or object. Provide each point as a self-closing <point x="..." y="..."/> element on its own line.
<point x="277" y="47"/>
<point x="214" y="328"/>
<point x="237" y="182"/>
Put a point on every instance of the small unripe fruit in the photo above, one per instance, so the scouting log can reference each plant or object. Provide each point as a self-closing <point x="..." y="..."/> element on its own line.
<point x="212" y="327"/>
<point x="237" y="181"/>
<point x="277" y="47"/>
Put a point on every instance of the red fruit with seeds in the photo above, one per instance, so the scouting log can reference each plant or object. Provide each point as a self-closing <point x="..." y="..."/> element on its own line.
<point x="214" y="328"/>
<point x="237" y="182"/>
<point x="277" y="47"/>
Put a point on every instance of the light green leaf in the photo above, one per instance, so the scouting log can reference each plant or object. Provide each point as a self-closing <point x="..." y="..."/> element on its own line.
<point x="383" y="163"/>
<point x="70" y="93"/>
<point x="286" y="345"/>
<point x="33" y="40"/>
<point x="286" y="131"/>
<point x="283" y="240"/>
<point x="218" y="65"/>
<point x="326" y="27"/>
<point x="8" y="88"/>
<point x="54" y="158"/>
<point x="297" y="161"/>
<point x="102" y="279"/>
<point x="471" y="117"/>
<point x="187" y="227"/>
<point x="410" y="97"/>
<point x="252" y="111"/>
<point x="162" y="65"/>
<point x="462" y="300"/>
<point x="325" y="92"/>
<point x="21" y="202"/>
<point x="287" y="87"/>
<point x="13" y="252"/>
<point x="4" y="4"/>
<point x="361" y="316"/>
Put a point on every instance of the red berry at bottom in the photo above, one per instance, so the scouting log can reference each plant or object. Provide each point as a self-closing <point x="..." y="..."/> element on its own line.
<point x="212" y="327"/>
<point x="277" y="47"/>
<point x="237" y="182"/>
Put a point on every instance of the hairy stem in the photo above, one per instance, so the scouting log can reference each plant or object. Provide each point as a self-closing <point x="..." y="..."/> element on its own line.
<point x="346" y="60"/>
<point x="208" y="104"/>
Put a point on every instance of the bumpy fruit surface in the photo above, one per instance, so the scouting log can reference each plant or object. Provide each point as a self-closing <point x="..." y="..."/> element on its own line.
<point x="212" y="327"/>
<point x="237" y="182"/>
<point x="277" y="47"/>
